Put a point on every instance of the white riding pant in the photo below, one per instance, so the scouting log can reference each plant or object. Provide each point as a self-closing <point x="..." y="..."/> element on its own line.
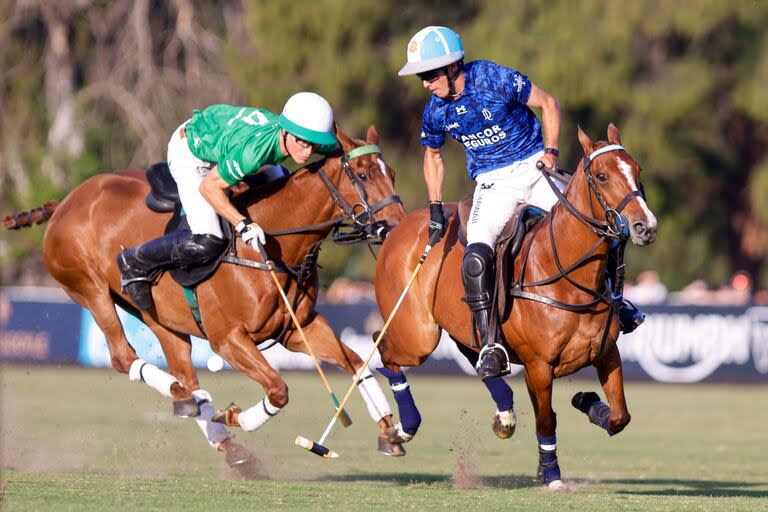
<point x="188" y="171"/>
<point x="498" y="193"/>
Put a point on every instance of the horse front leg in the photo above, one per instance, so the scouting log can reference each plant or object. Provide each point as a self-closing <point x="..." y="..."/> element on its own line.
<point x="613" y="416"/>
<point x="327" y="347"/>
<point x="240" y="351"/>
<point x="538" y="377"/>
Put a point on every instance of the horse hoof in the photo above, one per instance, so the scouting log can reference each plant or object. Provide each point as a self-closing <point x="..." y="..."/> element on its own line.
<point x="243" y="465"/>
<point x="389" y="448"/>
<point x="584" y="400"/>
<point x="557" y="486"/>
<point x="504" y="424"/>
<point x="396" y="435"/>
<point x="228" y="416"/>
<point x="186" y="408"/>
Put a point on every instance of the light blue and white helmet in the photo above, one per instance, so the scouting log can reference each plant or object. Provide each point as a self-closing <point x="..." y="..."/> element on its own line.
<point x="432" y="48"/>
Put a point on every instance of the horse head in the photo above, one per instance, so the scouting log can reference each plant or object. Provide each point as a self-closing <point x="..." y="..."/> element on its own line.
<point x="614" y="189"/>
<point x="364" y="185"/>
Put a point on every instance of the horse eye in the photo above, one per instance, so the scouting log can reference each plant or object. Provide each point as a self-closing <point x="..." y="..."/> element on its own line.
<point x="362" y="176"/>
<point x="601" y="177"/>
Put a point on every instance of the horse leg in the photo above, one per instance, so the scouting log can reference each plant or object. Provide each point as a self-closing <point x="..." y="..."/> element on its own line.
<point x="538" y="377"/>
<point x="505" y="420"/>
<point x="240" y="351"/>
<point x="410" y="418"/>
<point x="100" y="303"/>
<point x="327" y="347"/>
<point x="614" y="417"/>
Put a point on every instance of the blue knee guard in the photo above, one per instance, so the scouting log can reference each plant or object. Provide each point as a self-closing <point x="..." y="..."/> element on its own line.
<point x="500" y="392"/>
<point x="410" y="419"/>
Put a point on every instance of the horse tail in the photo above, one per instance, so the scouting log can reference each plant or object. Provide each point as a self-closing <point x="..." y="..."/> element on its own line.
<point x="34" y="216"/>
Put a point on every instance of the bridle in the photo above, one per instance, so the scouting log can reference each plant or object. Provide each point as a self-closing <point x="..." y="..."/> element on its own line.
<point x="357" y="218"/>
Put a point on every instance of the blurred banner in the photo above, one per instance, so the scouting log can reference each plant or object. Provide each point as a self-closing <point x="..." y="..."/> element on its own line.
<point x="676" y="344"/>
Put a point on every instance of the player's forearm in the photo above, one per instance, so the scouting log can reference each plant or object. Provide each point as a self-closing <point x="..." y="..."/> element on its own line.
<point x="433" y="174"/>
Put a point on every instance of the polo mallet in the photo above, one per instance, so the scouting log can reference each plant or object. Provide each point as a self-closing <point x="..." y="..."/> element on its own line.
<point x="345" y="419"/>
<point x="317" y="447"/>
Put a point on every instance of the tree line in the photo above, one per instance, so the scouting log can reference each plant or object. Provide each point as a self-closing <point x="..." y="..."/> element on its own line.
<point x="88" y="86"/>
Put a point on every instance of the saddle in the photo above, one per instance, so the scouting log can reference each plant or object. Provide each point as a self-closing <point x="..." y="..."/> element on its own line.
<point x="163" y="197"/>
<point x="508" y="245"/>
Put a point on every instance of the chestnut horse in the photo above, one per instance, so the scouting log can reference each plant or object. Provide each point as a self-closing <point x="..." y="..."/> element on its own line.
<point x="563" y="318"/>
<point x="239" y="305"/>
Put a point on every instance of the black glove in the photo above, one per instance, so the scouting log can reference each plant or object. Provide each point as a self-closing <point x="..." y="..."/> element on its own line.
<point x="436" y="222"/>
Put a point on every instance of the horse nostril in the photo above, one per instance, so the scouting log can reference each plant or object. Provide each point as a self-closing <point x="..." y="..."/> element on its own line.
<point x="639" y="228"/>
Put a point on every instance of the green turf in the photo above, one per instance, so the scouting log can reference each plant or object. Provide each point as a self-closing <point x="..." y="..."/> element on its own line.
<point x="75" y="439"/>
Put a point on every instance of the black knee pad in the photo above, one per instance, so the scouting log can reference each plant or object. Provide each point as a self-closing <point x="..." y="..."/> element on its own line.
<point x="478" y="260"/>
<point x="198" y="250"/>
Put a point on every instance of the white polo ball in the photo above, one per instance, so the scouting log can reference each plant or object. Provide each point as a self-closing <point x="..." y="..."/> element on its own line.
<point x="215" y="363"/>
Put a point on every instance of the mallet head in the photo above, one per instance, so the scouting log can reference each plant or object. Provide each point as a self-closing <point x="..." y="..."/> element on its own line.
<point x="316" y="448"/>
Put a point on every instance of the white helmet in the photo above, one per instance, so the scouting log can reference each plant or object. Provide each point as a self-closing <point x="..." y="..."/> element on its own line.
<point x="432" y="48"/>
<point x="308" y="116"/>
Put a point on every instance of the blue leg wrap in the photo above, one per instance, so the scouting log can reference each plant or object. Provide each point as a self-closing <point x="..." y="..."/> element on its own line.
<point x="548" y="470"/>
<point x="410" y="418"/>
<point x="599" y="414"/>
<point x="500" y="392"/>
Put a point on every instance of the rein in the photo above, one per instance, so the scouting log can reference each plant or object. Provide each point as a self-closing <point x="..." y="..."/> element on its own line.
<point x="364" y="228"/>
<point x="614" y="229"/>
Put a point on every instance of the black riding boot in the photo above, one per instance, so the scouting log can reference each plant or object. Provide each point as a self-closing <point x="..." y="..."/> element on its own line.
<point x="178" y="249"/>
<point x="477" y="273"/>
<point x="630" y="317"/>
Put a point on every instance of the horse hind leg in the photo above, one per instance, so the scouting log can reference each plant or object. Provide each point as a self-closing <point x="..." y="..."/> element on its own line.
<point x="505" y="420"/>
<point x="614" y="417"/>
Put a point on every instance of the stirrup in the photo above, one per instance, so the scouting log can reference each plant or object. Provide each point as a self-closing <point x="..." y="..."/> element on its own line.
<point x="498" y="364"/>
<point x="630" y="317"/>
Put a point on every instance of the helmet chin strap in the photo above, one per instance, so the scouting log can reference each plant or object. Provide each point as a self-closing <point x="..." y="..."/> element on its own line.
<point x="452" y="77"/>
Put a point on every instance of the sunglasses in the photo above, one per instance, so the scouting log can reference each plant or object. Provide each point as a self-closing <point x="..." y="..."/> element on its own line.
<point x="304" y="144"/>
<point x="430" y="76"/>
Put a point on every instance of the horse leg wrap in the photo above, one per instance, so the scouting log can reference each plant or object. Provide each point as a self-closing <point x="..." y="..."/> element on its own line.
<point x="152" y="376"/>
<point x="410" y="418"/>
<point x="255" y="417"/>
<point x="548" y="470"/>
<point x="500" y="392"/>
<point x="378" y="407"/>
<point x="599" y="414"/>
<point x="214" y="433"/>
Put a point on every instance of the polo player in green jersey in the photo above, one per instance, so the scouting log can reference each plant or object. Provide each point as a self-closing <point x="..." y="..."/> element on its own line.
<point x="214" y="150"/>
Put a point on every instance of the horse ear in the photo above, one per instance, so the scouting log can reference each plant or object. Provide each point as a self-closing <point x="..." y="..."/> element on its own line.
<point x="372" y="137"/>
<point x="586" y="142"/>
<point x="614" y="137"/>
<point x="344" y="140"/>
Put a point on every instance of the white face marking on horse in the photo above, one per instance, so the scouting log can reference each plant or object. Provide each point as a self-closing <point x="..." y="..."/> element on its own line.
<point x="382" y="166"/>
<point x="626" y="170"/>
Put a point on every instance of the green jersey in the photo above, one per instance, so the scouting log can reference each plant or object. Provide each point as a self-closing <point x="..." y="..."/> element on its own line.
<point x="240" y="140"/>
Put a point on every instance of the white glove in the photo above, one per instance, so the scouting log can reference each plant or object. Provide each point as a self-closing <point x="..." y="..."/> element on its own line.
<point x="251" y="233"/>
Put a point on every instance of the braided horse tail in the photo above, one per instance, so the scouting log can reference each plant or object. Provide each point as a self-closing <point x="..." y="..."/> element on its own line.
<point x="34" y="216"/>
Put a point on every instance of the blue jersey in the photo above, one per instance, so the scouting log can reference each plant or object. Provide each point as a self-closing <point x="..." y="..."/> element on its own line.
<point x="490" y="118"/>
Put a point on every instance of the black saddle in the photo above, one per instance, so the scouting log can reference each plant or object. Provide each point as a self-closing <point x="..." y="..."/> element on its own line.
<point x="163" y="197"/>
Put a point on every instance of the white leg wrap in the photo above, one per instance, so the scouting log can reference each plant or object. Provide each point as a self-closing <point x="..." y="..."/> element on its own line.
<point x="257" y="415"/>
<point x="152" y="376"/>
<point x="378" y="407"/>
<point x="215" y="433"/>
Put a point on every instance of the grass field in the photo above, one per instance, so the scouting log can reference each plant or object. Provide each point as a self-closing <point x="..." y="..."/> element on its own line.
<point x="77" y="439"/>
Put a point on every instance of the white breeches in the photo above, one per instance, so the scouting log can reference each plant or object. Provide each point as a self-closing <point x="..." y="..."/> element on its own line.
<point x="188" y="171"/>
<point x="498" y="193"/>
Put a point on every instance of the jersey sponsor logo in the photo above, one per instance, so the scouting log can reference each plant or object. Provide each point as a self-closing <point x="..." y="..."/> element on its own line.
<point x="486" y="186"/>
<point x="452" y="126"/>
<point x="461" y="110"/>
<point x="485" y="137"/>
<point x="487" y="114"/>
<point x="423" y="135"/>
<point x="519" y="82"/>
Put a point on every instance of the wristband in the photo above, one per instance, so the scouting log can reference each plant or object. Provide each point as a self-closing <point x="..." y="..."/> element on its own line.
<point x="240" y="226"/>
<point x="552" y="151"/>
